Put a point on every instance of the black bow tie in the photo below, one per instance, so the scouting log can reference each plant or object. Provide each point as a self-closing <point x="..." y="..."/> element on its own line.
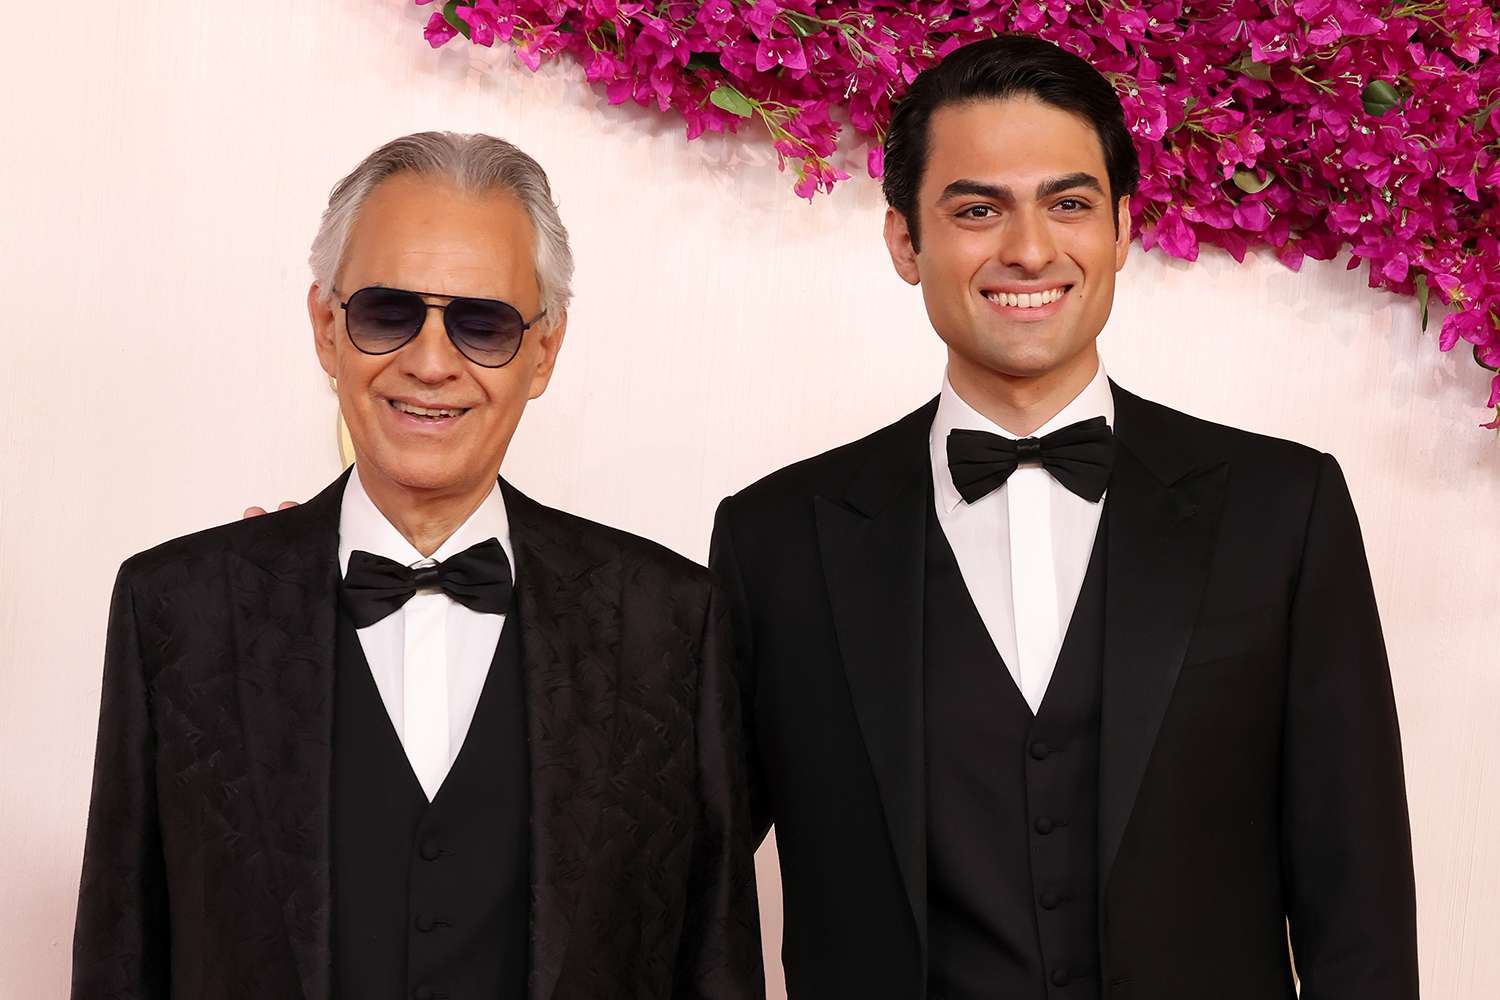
<point x="1078" y="456"/>
<point x="478" y="578"/>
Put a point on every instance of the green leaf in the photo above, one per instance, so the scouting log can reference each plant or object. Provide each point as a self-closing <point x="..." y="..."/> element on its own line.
<point x="1423" y="293"/>
<point x="727" y="97"/>
<point x="800" y="25"/>
<point x="1251" y="68"/>
<point x="1483" y="118"/>
<point x="450" y="14"/>
<point x="1247" y="182"/>
<point x="1380" y="98"/>
<point x="705" y="62"/>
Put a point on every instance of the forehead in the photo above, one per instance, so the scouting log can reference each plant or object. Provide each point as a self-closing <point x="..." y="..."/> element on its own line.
<point x="1008" y="142"/>
<point x="427" y="235"/>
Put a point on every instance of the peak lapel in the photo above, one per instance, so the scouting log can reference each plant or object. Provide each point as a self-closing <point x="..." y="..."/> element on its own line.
<point x="569" y="603"/>
<point x="1162" y="512"/>
<point x="873" y="542"/>
<point x="284" y="589"/>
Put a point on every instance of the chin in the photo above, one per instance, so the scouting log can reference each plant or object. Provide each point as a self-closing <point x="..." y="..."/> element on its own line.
<point x="1022" y="363"/>
<point x="419" y="472"/>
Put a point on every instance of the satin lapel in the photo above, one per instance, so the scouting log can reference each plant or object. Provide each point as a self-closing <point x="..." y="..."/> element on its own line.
<point x="1162" y="511"/>
<point x="284" y="586"/>
<point x="569" y="602"/>
<point x="873" y="546"/>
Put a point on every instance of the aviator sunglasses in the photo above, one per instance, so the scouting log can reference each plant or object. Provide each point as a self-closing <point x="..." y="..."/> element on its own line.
<point x="486" y="331"/>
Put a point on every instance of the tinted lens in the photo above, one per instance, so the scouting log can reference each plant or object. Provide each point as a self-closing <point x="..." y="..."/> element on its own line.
<point x="382" y="319"/>
<point x="488" y="331"/>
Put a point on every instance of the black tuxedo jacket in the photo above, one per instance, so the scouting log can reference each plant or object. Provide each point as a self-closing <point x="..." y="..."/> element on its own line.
<point x="206" y="866"/>
<point x="1250" y="765"/>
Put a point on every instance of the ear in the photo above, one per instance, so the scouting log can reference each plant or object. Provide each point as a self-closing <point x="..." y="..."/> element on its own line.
<point x="1122" y="233"/>
<point x="550" y="341"/>
<point x="321" y="314"/>
<point x="903" y="251"/>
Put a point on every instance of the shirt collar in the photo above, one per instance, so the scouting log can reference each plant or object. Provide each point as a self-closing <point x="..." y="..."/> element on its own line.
<point x="363" y="526"/>
<point x="953" y="413"/>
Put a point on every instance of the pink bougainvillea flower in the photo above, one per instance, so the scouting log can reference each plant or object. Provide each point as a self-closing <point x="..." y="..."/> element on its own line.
<point x="1311" y="127"/>
<point x="438" y="31"/>
<point x="776" y="53"/>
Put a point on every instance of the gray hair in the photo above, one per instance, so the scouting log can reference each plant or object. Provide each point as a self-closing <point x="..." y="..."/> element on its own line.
<point x="476" y="164"/>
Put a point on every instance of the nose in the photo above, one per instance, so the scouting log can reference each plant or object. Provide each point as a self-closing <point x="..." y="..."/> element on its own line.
<point x="431" y="357"/>
<point x="1026" y="243"/>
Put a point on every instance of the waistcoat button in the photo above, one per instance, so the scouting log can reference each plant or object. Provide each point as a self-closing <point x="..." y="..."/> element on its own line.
<point x="1043" y="825"/>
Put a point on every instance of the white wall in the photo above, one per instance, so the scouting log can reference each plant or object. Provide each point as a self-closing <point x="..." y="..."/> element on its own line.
<point x="164" y="165"/>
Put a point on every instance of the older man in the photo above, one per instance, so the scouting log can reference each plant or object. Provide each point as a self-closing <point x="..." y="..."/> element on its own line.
<point x="422" y="736"/>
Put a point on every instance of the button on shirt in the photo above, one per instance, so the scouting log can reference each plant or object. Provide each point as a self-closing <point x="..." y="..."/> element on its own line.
<point x="430" y="657"/>
<point x="1024" y="549"/>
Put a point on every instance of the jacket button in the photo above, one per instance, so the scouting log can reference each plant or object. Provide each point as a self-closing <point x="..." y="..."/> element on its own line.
<point x="1040" y="750"/>
<point x="422" y="993"/>
<point x="1043" y="825"/>
<point x="431" y="851"/>
<point x="425" y="924"/>
<point x="1059" y="977"/>
<point x="1050" y="900"/>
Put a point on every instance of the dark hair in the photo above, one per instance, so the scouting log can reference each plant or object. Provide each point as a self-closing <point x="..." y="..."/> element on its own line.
<point x="995" y="69"/>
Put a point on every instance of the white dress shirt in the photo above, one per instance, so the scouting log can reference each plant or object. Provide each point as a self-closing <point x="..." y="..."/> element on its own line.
<point x="430" y="657"/>
<point x="1023" y="550"/>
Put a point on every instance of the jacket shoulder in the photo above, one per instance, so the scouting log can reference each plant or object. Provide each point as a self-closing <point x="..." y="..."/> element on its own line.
<point x="833" y="470"/>
<point x="607" y="543"/>
<point x="209" y="545"/>
<point x="275" y="541"/>
<point x="1208" y="442"/>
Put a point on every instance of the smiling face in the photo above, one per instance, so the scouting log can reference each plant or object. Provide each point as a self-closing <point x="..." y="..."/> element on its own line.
<point x="1019" y="241"/>
<point x="425" y="235"/>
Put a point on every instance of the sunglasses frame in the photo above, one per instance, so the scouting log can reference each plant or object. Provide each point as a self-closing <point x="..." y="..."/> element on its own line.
<point x="447" y="327"/>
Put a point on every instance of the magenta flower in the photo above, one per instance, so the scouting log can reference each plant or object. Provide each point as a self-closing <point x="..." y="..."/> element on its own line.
<point x="1309" y="127"/>
<point x="780" y="53"/>
<point x="438" y="31"/>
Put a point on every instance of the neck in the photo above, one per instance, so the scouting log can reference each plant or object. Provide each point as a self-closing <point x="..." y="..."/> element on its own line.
<point x="1022" y="403"/>
<point x="425" y="518"/>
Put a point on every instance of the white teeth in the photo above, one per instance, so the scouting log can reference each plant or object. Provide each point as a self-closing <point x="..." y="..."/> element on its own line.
<point x="422" y="411"/>
<point x="1025" y="300"/>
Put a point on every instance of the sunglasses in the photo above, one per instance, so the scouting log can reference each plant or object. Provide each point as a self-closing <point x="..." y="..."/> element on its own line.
<point x="486" y="331"/>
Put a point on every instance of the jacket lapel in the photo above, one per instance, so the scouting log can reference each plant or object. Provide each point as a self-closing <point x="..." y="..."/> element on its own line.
<point x="569" y="603"/>
<point x="1162" y="511"/>
<point x="283" y="582"/>
<point x="873" y="542"/>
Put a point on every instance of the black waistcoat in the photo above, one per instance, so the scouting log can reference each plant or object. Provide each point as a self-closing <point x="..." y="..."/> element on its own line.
<point x="430" y="901"/>
<point x="1012" y="801"/>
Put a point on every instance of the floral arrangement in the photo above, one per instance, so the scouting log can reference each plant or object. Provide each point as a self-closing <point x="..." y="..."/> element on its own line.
<point x="1304" y="126"/>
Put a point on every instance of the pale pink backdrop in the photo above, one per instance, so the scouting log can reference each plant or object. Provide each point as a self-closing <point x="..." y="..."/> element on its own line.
<point x="164" y="166"/>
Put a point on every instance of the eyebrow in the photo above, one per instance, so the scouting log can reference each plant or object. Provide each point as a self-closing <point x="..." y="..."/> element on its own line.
<point x="999" y="192"/>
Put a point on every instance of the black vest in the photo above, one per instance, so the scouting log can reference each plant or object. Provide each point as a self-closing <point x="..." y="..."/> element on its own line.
<point x="1012" y="801"/>
<point x="430" y="901"/>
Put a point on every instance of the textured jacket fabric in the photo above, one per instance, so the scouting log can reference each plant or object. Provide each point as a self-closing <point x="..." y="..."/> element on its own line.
<point x="207" y="861"/>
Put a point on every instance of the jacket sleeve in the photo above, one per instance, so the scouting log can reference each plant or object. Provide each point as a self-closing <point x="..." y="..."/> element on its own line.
<point x="724" y="562"/>
<point x="720" y="955"/>
<point x="121" y="940"/>
<point x="1345" y="833"/>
